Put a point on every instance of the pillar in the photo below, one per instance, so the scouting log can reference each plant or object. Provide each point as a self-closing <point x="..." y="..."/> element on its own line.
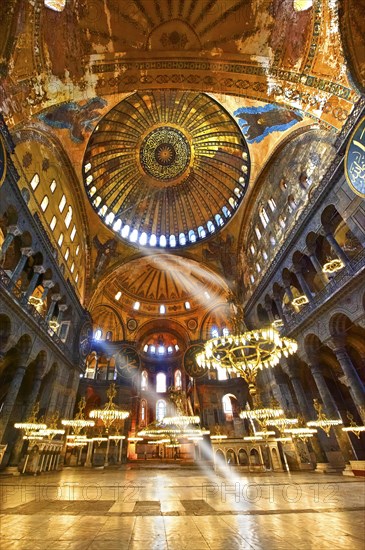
<point x="61" y="309"/>
<point x="38" y="270"/>
<point x="12" y="232"/>
<point x="354" y="382"/>
<point x="54" y="299"/>
<point x="303" y="283"/>
<point x="318" y="267"/>
<point x="335" y="246"/>
<point x="26" y="253"/>
<point x="12" y="394"/>
<point x="47" y="285"/>
<point x="331" y="410"/>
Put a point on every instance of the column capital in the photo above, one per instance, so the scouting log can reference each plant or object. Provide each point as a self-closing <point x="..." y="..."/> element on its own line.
<point x="56" y="297"/>
<point x="48" y="283"/>
<point x="39" y="269"/>
<point x="27" y="251"/>
<point x="14" y="230"/>
<point x="62" y="307"/>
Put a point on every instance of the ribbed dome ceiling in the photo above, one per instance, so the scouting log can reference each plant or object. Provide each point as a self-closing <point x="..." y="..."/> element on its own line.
<point x="166" y="169"/>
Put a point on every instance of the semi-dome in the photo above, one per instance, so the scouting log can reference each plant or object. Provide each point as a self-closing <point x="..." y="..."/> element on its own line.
<point x="166" y="168"/>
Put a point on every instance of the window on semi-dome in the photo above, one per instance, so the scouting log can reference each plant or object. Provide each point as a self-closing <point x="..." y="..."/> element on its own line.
<point x="264" y="217"/>
<point x="187" y="305"/>
<point x="77" y="250"/>
<point x="222" y="373"/>
<point x="73" y="233"/>
<point x="34" y="182"/>
<point x="162" y="309"/>
<point x="258" y="232"/>
<point x="178" y="380"/>
<point x="201" y="232"/>
<point x="53" y="223"/>
<point x="172" y="241"/>
<point x="282" y="221"/>
<point x="44" y="203"/>
<point x="272" y="204"/>
<point x="143" y="238"/>
<point x="68" y="217"/>
<point x="67" y="253"/>
<point x="62" y="204"/>
<point x="161" y="382"/>
<point x="53" y="186"/>
<point x="192" y="236"/>
<point x="153" y="240"/>
<point x="60" y="239"/>
<point x="160" y="410"/>
<point x="144" y="380"/>
<point x="136" y="306"/>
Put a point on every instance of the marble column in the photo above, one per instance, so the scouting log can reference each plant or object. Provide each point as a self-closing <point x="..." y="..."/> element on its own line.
<point x="26" y="253"/>
<point x="279" y="307"/>
<point x="12" y="232"/>
<point x="335" y="246"/>
<point x="317" y="266"/>
<point x="47" y="285"/>
<point x="332" y="412"/>
<point x="32" y="398"/>
<point x="38" y="270"/>
<point x="303" y="283"/>
<point x="11" y="396"/>
<point x="54" y="299"/>
<point x="355" y="385"/>
<point x="61" y="309"/>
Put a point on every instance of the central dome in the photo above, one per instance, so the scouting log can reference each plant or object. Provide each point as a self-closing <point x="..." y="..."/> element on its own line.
<point x="166" y="168"/>
<point x="165" y="153"/>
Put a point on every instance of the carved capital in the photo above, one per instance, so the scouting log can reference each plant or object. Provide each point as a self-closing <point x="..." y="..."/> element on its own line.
<point x="27" y="251"/>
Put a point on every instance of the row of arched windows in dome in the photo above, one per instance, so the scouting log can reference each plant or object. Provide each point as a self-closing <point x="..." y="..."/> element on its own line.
<point x="66" y="214"/>
<point x="163" y="241"/>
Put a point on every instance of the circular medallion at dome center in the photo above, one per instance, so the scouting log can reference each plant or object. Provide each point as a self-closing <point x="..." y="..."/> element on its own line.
<point x="165" y="153"/>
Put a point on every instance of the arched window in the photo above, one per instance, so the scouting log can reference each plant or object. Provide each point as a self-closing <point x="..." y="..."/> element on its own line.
<point x="53" y="223"/>
<point x="73" y="233"/>
<point x="192" y="236"/>
<point x="143" y="238"/>
<point x="117" y="225"/>
<point x="227" y="406"/>
<point x="134" y="236"/>
<point x="144" y="380"/>
<point x="282" y="221"/>
<point x="226" y="212"/>
<point x="44" y="203"/>
<point x="34" y="182"/>
<point x="153" y="240"/>
<point x="252" y="248"/>
<point x="264" y="255"/>
<point x="125" y="231"/>
<point x="178" y="382"/>
<point x="218" y="219"/>
<point x="272" y="204"/>
<point x="272" y="240"/>
<point x="210" y="227"/>
<point x="98" y="334"/>
<point x="161" y="382"/>
<point x="162" y="309"/>
<point x="258" y="232"/>
<point x="201" y="232"/>
<point x="264" y="217"/>
<point x="160" y="410"/>
<point x="60" y="240"/>
<point x="62" y="204"/>
<point x="143" y="412"/>
<point x="172" y="241"/>
<point x="55" y="5"/>
<point x="109" y="336"/>
<point x="68" y="217"/>
<point x="136" y="306"/>
<point x="182" y="239"/>
<point x="163" y="241"/>
<point x="53" y="186"/>
<point x="67" y="253"/>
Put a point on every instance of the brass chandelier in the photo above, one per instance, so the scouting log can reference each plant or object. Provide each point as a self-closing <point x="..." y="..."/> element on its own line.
<point x="245" y="354"/>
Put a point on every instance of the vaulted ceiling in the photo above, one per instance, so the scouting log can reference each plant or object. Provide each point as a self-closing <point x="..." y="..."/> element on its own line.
<point x="239" y="78"/>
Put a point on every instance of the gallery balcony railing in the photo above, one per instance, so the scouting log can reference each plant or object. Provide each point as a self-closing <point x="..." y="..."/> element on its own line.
<point x="30" y="310"/>
<point x="355" y="266"/>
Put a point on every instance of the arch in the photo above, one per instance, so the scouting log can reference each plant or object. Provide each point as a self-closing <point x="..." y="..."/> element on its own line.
<point x="275" y="459"/>
<point x="229" y="406"/>
<point x="220" y="457"/>
<point x="243" y="458"/>
<point x="255" y="457"/>
<point x="231" y="457"/>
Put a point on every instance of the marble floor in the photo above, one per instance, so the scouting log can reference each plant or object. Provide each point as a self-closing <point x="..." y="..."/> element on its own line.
<point x="177" y="508"/>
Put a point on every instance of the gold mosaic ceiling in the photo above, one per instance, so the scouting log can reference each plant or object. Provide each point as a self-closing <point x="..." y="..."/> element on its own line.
<point x="166" y="169"/>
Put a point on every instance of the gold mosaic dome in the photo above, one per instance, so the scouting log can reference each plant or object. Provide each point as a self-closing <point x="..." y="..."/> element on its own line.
<point x="166" y="168"/>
